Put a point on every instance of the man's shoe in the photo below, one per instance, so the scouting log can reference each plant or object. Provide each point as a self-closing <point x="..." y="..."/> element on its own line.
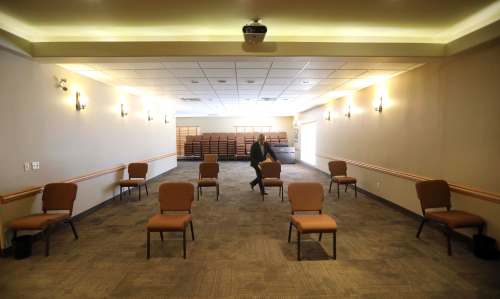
<point x="251" y="186"/>
<point x="263" y="193"/>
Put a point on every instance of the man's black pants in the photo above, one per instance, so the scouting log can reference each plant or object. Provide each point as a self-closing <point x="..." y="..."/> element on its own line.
<point x="258" y="179"/>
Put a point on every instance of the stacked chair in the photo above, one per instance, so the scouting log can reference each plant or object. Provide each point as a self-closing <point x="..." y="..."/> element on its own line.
<point x="282" y="138"/>
<point x="205" y="144"/>
<point x="188" y="146"/>
<point x="231" y="145"/>
<point x="197" y="146"/>
<point x="240" y="147"/>
<point x="222" y="150"/>
<point x="214" y="143"/>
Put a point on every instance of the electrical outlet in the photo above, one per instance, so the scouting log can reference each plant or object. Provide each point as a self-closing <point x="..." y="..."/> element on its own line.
<point x="27" y="166"/>
<point x="35" y="165"/>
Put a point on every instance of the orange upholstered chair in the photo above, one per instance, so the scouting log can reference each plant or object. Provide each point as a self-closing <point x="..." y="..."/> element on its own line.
<point x="338" y="175"/>
<point x="435" y="194"/>
<point x="308" y="197"/>
<point x="136" y="178"/>
<point x="271" y="172"/>
<point x="208" y="177"/>
<point x="210" y="158"/>
<point x="173" y="197"/>
<point x="56" y="197"/>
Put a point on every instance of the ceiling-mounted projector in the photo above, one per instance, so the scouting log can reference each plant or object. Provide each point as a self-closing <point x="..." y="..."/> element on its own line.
<point x="254" y="32"/>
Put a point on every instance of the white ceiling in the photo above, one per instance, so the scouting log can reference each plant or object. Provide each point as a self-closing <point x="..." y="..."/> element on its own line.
<point x="227" y="86"/>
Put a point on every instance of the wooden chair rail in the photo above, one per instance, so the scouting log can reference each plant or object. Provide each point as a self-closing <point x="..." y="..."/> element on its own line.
<point x="6" y="198"/>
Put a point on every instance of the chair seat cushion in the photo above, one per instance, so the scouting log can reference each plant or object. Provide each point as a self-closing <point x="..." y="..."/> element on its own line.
<point x="37" y="221"/>
<point x="455" y="219"/>
<point x="272" y="182"/>
<point x="341" y="179"/>
<point x="132" y="182"/>
<point x="161" y="222"/>
<point x="314" y="223"/>
<point x="207" y="182"/>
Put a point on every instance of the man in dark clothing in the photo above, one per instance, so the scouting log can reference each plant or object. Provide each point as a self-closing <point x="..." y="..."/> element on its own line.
<point x="258" y="153"/>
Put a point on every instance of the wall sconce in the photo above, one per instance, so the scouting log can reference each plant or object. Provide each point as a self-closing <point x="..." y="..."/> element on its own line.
<point x="123" y="110"/>
<point x="62" y="84"/>
<point x="166" y="120"/>
<point x="348" y="114"/>
<point x="328" y="115"/>
<point x="79" y="105"/>
<point x="379" y="108"/>
<point x="150" y="117"/>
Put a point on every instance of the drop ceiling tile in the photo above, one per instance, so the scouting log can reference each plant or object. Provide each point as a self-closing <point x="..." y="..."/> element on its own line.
<point x="315" y="74"/>
<point x="249" y="86"/>
<point x="217" y="64"/>
<point x="346" y="74"/>
<point x="174" y="87"/>
<point x="288" y="64"/>
<point x="278" y="81"/>
<point x="180" y="73"/>
<point x="142" y="81"/>
<point x="194" y="81"/>
<point x="158" y="73"/>
<point x="121" y="74"/>
<point x="253" y="64"/>
<point x="332" y="82"/>
<point x="219" y="72"/>
<point x="257" y="81"/>
<point x="200" y="87"/>
<point x="306" y="81"/>
<point x="274" y="87"/>
<point x="222" y="80"/>
<point x="324" y="65"/>
<point x="378" y="74"/>
<point x="181" y="65"/>
<point x="357" y="83"/>
<point x="303" y="87"/>
<point x="218" y="87"/>
<point x="283" y="73"/>
<point x="269" y="94"/>
<point x="395" y="65"/>
<point x="359" y="65"/>
<point x="248" y="93"/>
<point x="251" y="72"/>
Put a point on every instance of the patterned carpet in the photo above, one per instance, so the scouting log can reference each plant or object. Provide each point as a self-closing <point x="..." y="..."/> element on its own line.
<point x="241" y="250"/>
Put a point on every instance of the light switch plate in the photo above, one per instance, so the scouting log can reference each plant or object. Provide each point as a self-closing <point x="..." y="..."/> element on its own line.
<point x="35" y="165"/>
<point x="27" y="166"/>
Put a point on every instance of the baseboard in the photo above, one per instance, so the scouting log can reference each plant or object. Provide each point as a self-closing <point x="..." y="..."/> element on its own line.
<point x="5" y="252"/>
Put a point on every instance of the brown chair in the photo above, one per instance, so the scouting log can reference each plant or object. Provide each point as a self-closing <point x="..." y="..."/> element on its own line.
<point x="56" y="197"/>
<point x="435" y="194"/>
<point x="208" y="177"/>
<point x="173" y="197"/>
<point x="271" y="172"/>
<point x="338" y="174"/>
<point x="211" y="158"/>
<point x="308" y="197"/>
<point x="136" y="177"/>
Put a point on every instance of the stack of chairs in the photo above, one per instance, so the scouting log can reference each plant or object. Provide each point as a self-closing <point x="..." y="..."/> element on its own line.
<point x="282" y="138"/>
<point x="188" y="146"/>
<point x="249" y="140"/>
<point x="231" y="145"/>
<point x="222" y="151"/>
<point x="197" y="146"/>
<point x="205" y="144"/>
<point x="240" y="146"/>
<point x="214" y="143"/>
<point x="273" y="138"/>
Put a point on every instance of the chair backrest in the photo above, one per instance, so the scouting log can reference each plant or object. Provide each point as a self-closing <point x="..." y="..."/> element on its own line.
<point x="210" y="158"/>
<point x="306" y="196"/>
<point x="59" y="196"/>
<point x="271" y="170"/>
<point x="337" y="167"/>
<point x="176" y="196"/>
<point x="209" y="170"/>
<point x="433" y="194"/>
<point x="137" y="170"/>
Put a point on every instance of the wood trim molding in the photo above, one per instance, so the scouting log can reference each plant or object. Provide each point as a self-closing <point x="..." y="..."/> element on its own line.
<point x="6" y="198"/>
<point x="466" y="190"/>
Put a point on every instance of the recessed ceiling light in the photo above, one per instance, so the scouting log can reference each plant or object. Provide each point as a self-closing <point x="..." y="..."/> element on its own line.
<point x="195" y="81"/>
<point x="250" y="81"/>
<point x="305" y="82"/>
<point x="221" y="81"/>
<point x="191" y="99"/>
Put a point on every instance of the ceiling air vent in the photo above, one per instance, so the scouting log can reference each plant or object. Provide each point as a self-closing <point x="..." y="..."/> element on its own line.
<point x="191" y="99"/>
<point x="268" y="99"/>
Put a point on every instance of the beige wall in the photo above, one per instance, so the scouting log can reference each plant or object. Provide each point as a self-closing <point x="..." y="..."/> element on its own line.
<point x="226" y="124"/>
<point x="38" y="122"/>
<point x="441" y="120"/>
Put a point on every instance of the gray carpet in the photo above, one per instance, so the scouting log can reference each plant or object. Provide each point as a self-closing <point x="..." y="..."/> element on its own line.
<point x="241" y="250"/>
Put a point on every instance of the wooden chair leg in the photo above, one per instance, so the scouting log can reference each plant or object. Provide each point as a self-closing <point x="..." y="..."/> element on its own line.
<point x="448" y="238"/>
<point x="346" y="185"/>
<point x="192" y="231"/>
<point x="298" y="245"/>
<point x="330" y="189"/>
<point x="420" y="227"/>
<point x="148" y="245"/>
<point x="320" y="235"/>
<point x="217" y="189"/>
<point x="338" y="191"/>
<point x="129" y="192"/>
<point x="47" y="240"/>
<point x="161" y="236"/>
<point x="184" y="242"/>
<point x="290" y="233"/>
<point x="121" y="192"/>
<point x="282" y="191"/>
<point x="70" y="221"/>
<point x="146" y="186"/>
<point x="355" y="190"/>
<point x="139" y="187"/>
<point x="198" y="192"/>
<point x="334" y="245"/>
<point x="14" y="236"/>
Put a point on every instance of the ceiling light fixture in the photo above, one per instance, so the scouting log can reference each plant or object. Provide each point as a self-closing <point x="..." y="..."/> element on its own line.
<point x="195" y="81"/>
<point x="221" y="81"/>
<point x="250" y="81"/>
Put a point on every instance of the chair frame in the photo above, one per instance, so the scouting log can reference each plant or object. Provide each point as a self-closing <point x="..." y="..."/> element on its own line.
<point x="199" y="189"/>
<point x="448" y="231"/>
<point x="279" y="177"/>
<point x="48" y="230"/>
<point x="332" y="177"/>
<point x="138" y="185"/>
